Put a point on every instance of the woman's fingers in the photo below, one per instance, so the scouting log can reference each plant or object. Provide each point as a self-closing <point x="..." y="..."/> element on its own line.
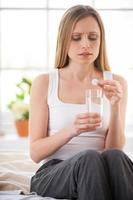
<point x="112" y="90"/>
<point x="87" y="122"/>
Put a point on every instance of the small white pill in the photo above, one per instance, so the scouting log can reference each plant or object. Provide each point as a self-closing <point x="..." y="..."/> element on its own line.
<point x="94" y="81"/>
<point x="107" y="75"/>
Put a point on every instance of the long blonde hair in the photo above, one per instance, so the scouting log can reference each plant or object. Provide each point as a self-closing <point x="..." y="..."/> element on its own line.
<point x="67" y="24"/>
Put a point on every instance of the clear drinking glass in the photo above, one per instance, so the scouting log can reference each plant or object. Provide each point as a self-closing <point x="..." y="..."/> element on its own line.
<point x="94" y="100"/>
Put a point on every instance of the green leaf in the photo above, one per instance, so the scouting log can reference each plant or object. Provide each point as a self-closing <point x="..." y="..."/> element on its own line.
<point x="25" y="115"/>
<point x="23" y="88"/>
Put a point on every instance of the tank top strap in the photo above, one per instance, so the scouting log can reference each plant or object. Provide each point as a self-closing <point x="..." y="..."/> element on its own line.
<point x="53" y="87"/>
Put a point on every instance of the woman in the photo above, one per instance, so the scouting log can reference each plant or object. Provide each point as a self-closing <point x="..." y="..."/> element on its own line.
<point x="82" y="159"/>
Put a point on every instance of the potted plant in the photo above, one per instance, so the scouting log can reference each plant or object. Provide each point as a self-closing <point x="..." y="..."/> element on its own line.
<point x="20" y="106"/>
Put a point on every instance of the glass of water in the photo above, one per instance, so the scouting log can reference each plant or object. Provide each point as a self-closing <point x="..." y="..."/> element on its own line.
<point x="94" y="100"/>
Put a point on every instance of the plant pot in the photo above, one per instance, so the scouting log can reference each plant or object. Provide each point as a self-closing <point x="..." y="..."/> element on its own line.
<point x="22" y="127"/>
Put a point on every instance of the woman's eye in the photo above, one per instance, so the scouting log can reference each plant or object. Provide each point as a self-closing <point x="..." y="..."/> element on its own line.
<point x="76" y="38"/>
<point x="92" y="38"/>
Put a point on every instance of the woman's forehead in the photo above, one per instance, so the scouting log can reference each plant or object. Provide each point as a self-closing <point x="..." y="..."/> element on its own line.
<point x="86" y="25"/>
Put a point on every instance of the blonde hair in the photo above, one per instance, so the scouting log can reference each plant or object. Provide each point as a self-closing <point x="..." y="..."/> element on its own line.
<point x="67" y="24"/>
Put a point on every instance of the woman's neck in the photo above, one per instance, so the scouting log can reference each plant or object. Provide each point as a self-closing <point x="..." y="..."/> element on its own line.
<point x="80" y="73"/>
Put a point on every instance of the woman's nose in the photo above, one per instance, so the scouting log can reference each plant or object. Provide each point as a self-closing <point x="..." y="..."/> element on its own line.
<point x="85" y="42"/>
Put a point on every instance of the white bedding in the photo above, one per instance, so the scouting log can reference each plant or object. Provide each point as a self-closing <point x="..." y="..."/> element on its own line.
<point x="16" y="170"/>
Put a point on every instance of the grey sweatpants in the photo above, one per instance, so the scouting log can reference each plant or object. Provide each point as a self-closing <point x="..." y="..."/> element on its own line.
<point x="89" y="175"/>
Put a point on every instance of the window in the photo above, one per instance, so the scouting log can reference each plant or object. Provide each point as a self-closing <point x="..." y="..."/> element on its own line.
<point x="28" y="38"/>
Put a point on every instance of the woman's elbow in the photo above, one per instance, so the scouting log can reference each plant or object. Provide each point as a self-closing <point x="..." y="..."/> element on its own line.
<point x="34" y="155"/>
<point x="119" y="146"/>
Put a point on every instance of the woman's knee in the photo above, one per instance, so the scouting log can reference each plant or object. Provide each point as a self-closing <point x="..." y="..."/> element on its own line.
<point x="88" y="157"/>
<point x="89" y="164"/>
<point x="113" y="155"/>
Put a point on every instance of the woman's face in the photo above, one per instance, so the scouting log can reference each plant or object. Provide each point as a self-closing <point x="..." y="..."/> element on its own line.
<point x="85" y="41"/>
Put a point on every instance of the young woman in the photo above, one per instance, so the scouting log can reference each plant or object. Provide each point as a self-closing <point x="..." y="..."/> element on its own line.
<point x="82" y="159"/>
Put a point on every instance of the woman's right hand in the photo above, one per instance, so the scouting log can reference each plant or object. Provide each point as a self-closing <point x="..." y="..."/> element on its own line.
<point x="84" y="122"/>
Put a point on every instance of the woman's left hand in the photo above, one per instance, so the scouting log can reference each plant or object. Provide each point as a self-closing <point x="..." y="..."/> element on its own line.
<point x="112" y="90"/>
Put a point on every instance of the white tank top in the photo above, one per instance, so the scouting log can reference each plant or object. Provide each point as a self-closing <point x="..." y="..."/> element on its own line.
<point x="62" y="114"/>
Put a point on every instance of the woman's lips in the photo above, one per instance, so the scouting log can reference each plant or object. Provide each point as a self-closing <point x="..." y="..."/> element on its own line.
<point x="85" y="54"/>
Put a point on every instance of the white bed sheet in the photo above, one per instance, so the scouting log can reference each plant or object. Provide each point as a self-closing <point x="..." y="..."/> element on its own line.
<point x="16" y="170"/>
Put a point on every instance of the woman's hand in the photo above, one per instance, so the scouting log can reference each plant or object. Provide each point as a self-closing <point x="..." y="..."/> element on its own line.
<point x="112" y="90"/>
<point x="84" y="122"/>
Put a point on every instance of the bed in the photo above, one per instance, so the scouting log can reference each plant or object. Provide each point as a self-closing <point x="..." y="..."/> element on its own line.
<point x="16" y="170"/>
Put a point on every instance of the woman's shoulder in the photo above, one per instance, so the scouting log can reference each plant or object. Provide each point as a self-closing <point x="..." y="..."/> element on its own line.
<point x="40" y="86"/>
<point x="40" y="83"/>
<point x="41" y="79"/>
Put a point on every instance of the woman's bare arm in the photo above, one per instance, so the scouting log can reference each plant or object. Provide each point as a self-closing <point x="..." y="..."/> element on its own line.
<point x="41" y="145"/>
<point x="116" y="133"/>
